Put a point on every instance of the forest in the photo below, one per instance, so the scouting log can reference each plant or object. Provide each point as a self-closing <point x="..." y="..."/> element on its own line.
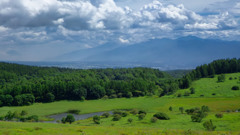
<point x="24" y="85"/>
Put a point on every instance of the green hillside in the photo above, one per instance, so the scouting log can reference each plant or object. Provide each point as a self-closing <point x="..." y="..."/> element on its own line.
<point x="210" y="87"/>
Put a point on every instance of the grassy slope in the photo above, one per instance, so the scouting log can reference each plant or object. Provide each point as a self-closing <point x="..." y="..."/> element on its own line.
<point x="208" y="86"/>
<point x="225" y="99"/>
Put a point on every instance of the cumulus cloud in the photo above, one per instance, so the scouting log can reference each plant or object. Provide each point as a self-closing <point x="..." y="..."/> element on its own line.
<point x="95" y="22"/>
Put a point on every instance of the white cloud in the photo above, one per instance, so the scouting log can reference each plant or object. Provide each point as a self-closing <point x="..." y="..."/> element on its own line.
<point x="123" y="40"/>
<point x="90" y="23"/>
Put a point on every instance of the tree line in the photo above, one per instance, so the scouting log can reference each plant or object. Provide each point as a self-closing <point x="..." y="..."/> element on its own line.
<point x="25" y="85"/>
<point x="221" y="66"/>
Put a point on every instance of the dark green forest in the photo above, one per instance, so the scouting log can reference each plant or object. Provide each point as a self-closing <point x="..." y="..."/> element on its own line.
<point x="24" y="85"/>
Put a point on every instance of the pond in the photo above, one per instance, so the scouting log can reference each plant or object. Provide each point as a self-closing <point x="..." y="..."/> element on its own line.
<point x="58" y="117"/>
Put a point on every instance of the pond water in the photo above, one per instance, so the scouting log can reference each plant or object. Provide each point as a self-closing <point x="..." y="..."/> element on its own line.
<point x="57" y="117"/>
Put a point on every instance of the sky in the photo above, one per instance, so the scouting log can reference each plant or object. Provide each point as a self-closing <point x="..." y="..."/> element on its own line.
<point x="37" y="30"/>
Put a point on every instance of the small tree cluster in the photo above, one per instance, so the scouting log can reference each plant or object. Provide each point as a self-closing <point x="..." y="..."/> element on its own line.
<point x="221" y="78"/>
<point x="198" y="114"/>
<point x="235" y="88"/>
<point x="106" y="115"/>
<point x="208" y="125"/>
<point x="116" y="117"/>
<point x="218" y="115"/>
<point x="96" y="119"/>
<point x="70" y="118"/>
<point x="161" y="116"/>
<point x="154" y="119"/>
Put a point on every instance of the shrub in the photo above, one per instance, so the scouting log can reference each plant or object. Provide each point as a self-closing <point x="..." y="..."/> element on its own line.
<point x="124" y="114"/>
<point x="181" y="109"/>
<point x="134" y="111"/>
<point x="235" y="88"/>
<point x="96" y="119"/>
<point x="202" y="95"/>
<point x="117" y="112"/>
<point x="33" y="118"/>
<point x="113" y="96"/>
<point x="116" y="117"/>
<point x="161" y="116"/>
<point x="9" y="116"/>
<point x="230" y="78"/>
<point x="63" y="120"/>
<point x="129" y="95"/>
<point x="70" y="118"/>
<point x="170" y="108"/>
<point x="198" y="116"/>
<point x="192" y="110"/>
<point x="130" y="120"/>
<point x="74" y="111"/>
<point x="218" y="115"/>
<point x="106" y="114"/>
<point x="192" y="90"/>
<point x="141" y="116"/>
<point x="208" y="125"/>
<point x="179" y="95"/>
<point x="142" y="111"/>
<point x="23" y="113"/>
<point x="205" y="108"/>
<point x="213" y="94"/>
<point x="154" y="119"/>
<point x="221" y="78"/>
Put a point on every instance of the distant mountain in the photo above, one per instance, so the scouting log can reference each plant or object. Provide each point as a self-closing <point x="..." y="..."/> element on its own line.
<point x="179" y="53"/>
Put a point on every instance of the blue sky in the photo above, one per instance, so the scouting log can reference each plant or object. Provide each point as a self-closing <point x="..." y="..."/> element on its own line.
<point x="36" y="30"/>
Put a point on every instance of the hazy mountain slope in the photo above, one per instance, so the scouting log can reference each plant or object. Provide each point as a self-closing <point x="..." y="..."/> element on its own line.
<point x="187" y="51"/>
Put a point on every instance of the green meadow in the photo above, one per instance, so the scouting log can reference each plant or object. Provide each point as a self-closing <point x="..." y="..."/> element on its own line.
<point x="224" y="101"/>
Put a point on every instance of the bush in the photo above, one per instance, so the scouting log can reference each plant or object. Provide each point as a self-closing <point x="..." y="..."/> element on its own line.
<point x="198" y="116"/>
<point x="218" y="115"/>
<point x="192" y="90"/>
<point x="33" y="118"/>
<point x="181" y="109"/>
<point x="117" y="112"/>
<point x="142" y="111"/>
<point x="154" y="119"/>
<point x="230" y="78"/>
<point x="141" y="116"/>
<point x="106" y="114"/>
<point x="116" y="117"/>
<point x="213" y="94"/>
<point x="63" y="120"/>
<point x="170" y="108"/>
<point x="235" y="88"/>
<point x="192" y="110"/>
<point x="134" y="111"/>
<point x="161" y="116"/>
<point x="96" y="119"/>
<point x="179" y="95"/>
<point x="124" y="114"/>
<point x="129" y="95"/>
<point x="23" y="113"/>
<point x="221" y="78"/>
<point x="74" y="111"/>
<point x="208" y="125"/>
<point x="70" y="118"/>
<point x="130" y="120"/>
<point x="205" y="108"/>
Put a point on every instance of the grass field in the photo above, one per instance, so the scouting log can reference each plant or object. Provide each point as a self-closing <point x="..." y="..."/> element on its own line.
<point x="210" y="87"/>
<point x="223" y="100"/>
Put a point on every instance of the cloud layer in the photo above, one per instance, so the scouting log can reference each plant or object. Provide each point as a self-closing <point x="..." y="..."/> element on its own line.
<point x="94" y="22"/>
